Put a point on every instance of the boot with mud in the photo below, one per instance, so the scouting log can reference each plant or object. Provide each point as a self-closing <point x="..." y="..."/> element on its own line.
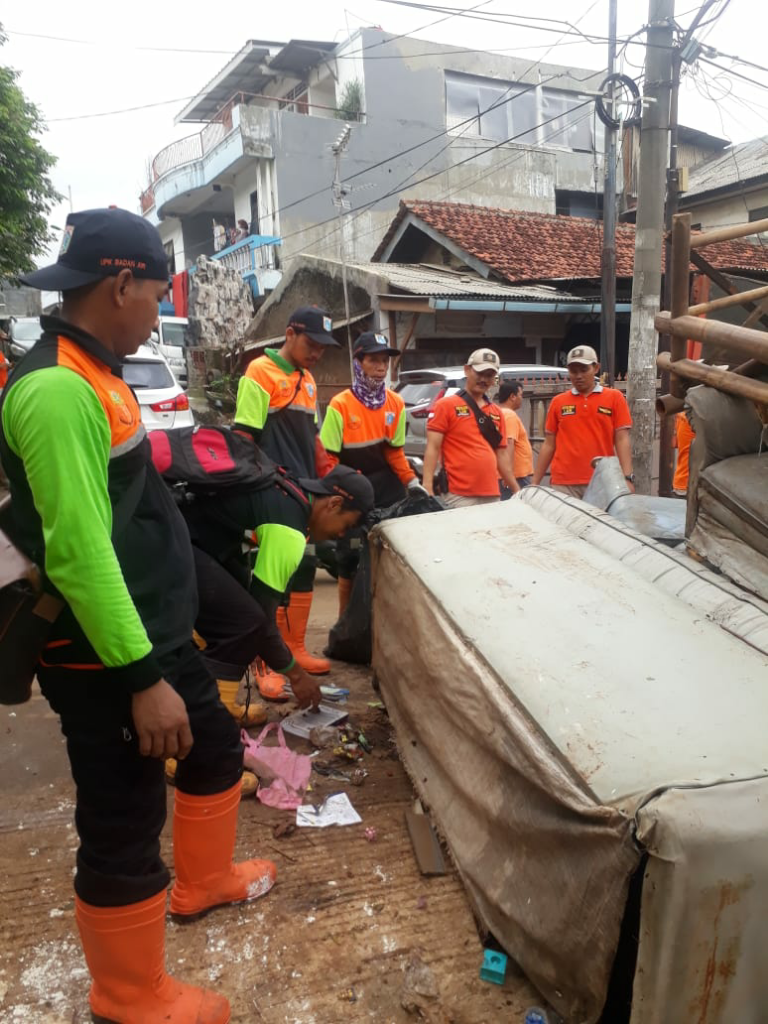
<point x="254" y="713"/>
<point x="292" y="622"/>
<point x="203" y="843"/>
<point x="125" y="951"/>
<point x="271" y="685"/>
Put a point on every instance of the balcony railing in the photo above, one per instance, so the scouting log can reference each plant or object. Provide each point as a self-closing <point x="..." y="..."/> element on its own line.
<point x="253" y="257"/>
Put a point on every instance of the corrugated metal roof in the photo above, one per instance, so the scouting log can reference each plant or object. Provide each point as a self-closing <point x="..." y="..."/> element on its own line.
<point x="424" y="279"/>
<point x="737" y="164"/>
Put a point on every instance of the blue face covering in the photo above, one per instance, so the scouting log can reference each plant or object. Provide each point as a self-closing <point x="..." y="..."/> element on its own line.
<point x="367" y="390"/>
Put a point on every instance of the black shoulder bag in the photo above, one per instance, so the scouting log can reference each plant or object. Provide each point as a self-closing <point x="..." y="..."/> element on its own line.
<point x="485" y="424"/>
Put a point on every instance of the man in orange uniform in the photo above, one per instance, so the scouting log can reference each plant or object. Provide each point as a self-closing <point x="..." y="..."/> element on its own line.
<point x="684" y="435"/>
<point x="467" y="432"/>
<point x="277" y="404"/>
<point x="364" y="428"/>
<point x="587" y="421"/>
<point x="509" y="400"/>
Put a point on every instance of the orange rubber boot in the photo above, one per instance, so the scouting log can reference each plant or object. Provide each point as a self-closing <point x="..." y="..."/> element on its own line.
<point x="125" y="951"/>
<point x="271" y="685"/>
<point x="345" y="590"/>
<point x="203" y="843"/>
<point x="293" y="628"/>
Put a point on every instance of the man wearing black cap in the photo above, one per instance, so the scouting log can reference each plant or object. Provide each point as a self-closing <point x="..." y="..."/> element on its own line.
<point x="236" y="625"/>
<point x="277" y="403"/>
<point x="120" y="668"/>
<point x="364" y="428"/>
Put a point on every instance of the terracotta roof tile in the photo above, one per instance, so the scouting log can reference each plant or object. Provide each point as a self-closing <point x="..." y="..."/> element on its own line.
<point x="522" y="246"/>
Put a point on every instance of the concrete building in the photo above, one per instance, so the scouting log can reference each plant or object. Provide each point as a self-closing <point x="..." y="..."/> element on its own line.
<point x="729" y="188"/>
<point x="427" y="119"/>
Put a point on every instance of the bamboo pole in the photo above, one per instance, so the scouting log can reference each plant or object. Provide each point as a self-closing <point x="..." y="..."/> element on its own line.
<point x="680" y="291"/>
<point x="721" y="281"/>
<point x="668" y="405"/>
<point x="726" y="234"/>
<point x="726" y="301"/>
<point x="722" y="380"/>
<point x="744" y="340"/>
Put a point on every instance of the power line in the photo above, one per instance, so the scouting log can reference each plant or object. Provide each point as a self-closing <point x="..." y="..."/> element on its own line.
<point x="112" y="113"/>
<point x="96" y="42"/>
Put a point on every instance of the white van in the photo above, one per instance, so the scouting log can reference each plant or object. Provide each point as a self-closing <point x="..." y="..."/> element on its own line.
<point x="168" y="340"/>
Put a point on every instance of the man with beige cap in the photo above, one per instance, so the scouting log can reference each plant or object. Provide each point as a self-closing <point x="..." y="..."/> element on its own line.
<point x="582" y="423"/>
<point x="466" y="432"/>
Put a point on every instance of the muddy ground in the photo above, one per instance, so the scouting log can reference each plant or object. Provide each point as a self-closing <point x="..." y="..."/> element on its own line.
<point x="329" y="945"/>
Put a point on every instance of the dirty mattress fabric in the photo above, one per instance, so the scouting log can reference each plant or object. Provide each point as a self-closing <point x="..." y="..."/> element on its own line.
<point x="557" y="746"/>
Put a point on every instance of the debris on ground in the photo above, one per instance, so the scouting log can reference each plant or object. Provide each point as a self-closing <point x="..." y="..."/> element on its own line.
<point x="419" y="990"/>
<point x="336" y="809"/>
<point x="494" y="966"/>
<point x="371" y="834"/>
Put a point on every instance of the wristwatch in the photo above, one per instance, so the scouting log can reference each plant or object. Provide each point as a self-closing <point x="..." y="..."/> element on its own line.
<point x="630" y="477"/>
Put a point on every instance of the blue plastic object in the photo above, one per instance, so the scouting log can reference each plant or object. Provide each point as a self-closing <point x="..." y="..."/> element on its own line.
<point x="494" y="966"/>
<point x="536" y="1016"/>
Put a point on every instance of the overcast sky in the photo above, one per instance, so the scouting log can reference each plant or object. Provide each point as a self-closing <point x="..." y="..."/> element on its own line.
<point x="107" y="66"/>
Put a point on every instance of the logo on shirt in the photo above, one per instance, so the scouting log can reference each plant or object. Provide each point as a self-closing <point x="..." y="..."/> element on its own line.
<point x="310" y="390"/>
<point x="462" y="411"/>
<point x="389" y="418"/>
<point x="568" y="410"/>
<point x="354" y="421"/>
<point x="283" y="385"/>
<point x="605" y="410"/>
<point x="124" y="414"/>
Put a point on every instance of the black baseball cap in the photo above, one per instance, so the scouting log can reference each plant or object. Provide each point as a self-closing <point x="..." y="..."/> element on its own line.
<point x="315" y="323"/>
<point x="370" y="342"/>
<point x="98" y="244"/>
<point x="350" y="484"/>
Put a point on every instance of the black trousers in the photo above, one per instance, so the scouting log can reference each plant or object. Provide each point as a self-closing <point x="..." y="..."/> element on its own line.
<point x="121" y="796"/>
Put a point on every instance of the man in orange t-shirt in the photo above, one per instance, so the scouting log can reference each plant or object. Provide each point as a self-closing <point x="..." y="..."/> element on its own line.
<point x="587" y="421"/>
<point x="509" y="400"/>
<point x="473" y="460"/>
<point x="684" y="435"/>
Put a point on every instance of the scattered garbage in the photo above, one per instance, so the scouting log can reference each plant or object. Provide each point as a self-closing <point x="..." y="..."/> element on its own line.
<point x="338" y="694"/>
<point x="371" y="834"/>
<point x="534" y="1015"/>
<point x="419" y="986"/>
<point x="283" y="774"/>
<point x="494" y="967"/>
<point x="301" y="723"/>
<point x="323" y="736"/>
<point x="283" y="829"/>
<point x="336" y="809"/>
<point x="348" y="995"/>
<point x="358" y="776"/>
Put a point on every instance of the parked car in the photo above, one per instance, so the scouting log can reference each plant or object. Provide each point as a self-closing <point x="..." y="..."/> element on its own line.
<point x="168" y="340"/>
<point x="420" y="389"/>
<point x="163" y="402"/>
<point x="23" y="332"/>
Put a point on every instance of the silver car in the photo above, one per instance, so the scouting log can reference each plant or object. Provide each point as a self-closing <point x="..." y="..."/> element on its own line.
<point x="420" y="389"/>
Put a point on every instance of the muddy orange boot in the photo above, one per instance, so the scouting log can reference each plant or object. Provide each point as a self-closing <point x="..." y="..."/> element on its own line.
<point x="271" y="685"/>
<point x="292" y="622"/>
<point x="125" y="951"/>
<point x="257" y="713"/>
<point x="203" y="843"/>
<point x="345" y="590"/>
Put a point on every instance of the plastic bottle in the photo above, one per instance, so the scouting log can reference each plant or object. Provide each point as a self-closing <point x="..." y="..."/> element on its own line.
<point x="533" y="1015"/>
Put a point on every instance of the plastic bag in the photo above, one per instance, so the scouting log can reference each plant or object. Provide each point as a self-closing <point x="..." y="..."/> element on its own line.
<point x="350" y="639"/>
<point x="283" y="774"/>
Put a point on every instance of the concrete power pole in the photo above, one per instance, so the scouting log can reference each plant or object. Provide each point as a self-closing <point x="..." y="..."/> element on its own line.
<point x="649" y="238"/>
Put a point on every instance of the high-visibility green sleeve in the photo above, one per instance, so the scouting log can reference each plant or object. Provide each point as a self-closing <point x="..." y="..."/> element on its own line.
<point x="332" y="432"/>
<point x="398" y="438"/>
<point x="55" y="423"/>
<point x="281" y="548"/>
<point x="252" y="404"/>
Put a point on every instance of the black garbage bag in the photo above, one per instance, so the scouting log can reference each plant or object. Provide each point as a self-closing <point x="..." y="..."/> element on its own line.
<point x="350" y="639"/>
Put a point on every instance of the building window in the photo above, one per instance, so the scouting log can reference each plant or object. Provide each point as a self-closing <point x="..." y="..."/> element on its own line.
<point x="760" y="213"/>
<point x="296" y="99"/>
<point x="489" y="109"/>
<point x="579" y="204"/>
<point x="171" y="256"/>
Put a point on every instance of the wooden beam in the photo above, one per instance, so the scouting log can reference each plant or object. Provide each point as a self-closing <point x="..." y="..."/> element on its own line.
<point x="729" y="336"/>
<point x="681" y="289"/>
<point x="755" y="315"/>
<point x="722" y="281"/>
<point x="396" y="359"/>
<point x="395" y="363"/>
<point x="726" y="234"/>
<point x="405" y="304"/>
<point x="737" y="299"/>
<point x="722" y="380"/>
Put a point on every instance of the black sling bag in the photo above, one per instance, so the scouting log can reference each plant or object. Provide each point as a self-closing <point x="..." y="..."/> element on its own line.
<point x="485" y="424"/>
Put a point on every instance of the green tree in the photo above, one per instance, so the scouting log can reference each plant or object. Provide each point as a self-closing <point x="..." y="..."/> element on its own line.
<point x="351" y="102"/>
<point x="26" y="192"/>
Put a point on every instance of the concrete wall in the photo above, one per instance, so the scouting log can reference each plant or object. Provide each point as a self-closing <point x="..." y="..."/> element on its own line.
<point x="725" y="210"/>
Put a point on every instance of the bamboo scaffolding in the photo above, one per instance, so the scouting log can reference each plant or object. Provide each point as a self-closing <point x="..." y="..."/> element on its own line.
<point x="723" y="380"/>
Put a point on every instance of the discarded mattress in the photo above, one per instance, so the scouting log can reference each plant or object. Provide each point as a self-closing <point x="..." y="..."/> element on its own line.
<point x="564" y="716"/>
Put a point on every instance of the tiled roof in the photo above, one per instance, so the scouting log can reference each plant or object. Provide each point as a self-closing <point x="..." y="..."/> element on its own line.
<point x="521" y="246"/>
<point x="738" y="164"/>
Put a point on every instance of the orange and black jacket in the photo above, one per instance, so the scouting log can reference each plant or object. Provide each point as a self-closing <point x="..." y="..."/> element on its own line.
<point x="89" y="506"/>
<point x="370" y="440"/>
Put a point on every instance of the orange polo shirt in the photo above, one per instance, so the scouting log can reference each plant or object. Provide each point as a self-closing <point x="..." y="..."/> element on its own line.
<point x="584" y="426"/>
<point x="684" y="435"/>
<point x="522" y="457"/>
<point x="469" y="460"/>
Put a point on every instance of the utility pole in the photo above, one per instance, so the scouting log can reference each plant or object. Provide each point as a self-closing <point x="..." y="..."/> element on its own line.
<point x="684" y="52"/>
<point x="608" y="289"/>
<point x="338" y="198"/>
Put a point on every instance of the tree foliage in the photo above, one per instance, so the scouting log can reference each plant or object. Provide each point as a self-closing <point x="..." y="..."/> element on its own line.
<point x="26" y="191"/>
<point x="351" y="102"/>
